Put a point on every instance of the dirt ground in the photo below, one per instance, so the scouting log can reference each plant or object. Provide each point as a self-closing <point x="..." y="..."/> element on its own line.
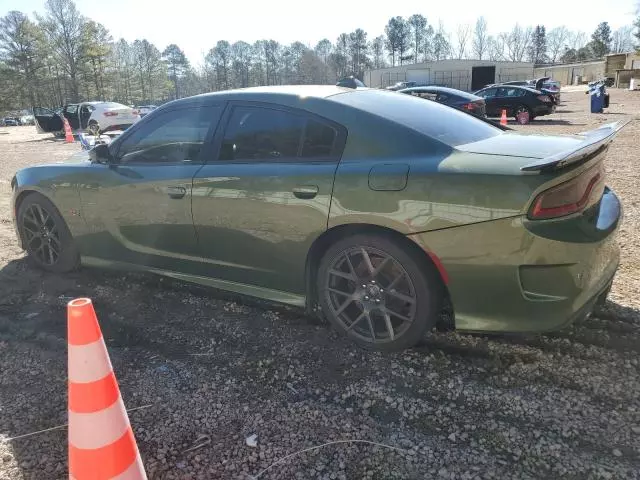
<point x="212" y="369"/>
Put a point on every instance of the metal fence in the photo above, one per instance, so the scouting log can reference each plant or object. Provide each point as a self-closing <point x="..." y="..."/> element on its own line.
<point x="460" y="79"/>
<point x="391" y="78"/>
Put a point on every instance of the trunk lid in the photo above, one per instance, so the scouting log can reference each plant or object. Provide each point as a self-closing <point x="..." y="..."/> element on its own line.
<point x="517" y="154"/>
<point x="122" y="112"/>
<point x="538" y="153"/>
<point x="520" y="145"/>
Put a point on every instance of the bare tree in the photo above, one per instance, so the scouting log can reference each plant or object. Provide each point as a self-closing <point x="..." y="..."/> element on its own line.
<point x="480" y="38"/>
<point x="517" y="42"/>
<point x="622" y="40"/>
<point x="495" y="48"/>
<point x="557" y="40"/>
<point x="577" y="40"/>
<point x="462" y="37"/>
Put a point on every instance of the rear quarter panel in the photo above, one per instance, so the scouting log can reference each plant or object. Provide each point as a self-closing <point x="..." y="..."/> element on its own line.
<point x="444" y="188"/>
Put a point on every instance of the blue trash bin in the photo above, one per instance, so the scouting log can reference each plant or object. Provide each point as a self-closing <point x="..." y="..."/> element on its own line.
<point x="597" y="98"/>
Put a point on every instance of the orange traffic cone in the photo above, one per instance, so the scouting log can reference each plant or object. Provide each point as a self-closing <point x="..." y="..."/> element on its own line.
<point x="101" y="442"/>
<point x="68" y="134"/>
<point x="503" y="118"/>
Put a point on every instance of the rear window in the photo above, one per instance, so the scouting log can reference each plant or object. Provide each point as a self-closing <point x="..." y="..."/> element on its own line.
<point x="448" y="125"/>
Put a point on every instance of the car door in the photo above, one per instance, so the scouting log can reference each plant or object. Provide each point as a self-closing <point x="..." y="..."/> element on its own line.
<point x="139" y="205"/>
<point x="85" y="113"/>
<point x="70" y="112"/>
<point x="491" y="101"/>
<point x="259" y="204"/>
<point x="46" y="120"/>
<point x="509" y="98"/>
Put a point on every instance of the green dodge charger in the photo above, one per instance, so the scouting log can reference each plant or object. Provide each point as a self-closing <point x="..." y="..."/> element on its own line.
<point x="371" y="208"/>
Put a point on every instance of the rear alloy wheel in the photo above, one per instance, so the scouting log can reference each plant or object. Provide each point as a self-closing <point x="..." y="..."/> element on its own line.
<point x="520" y="110"/>
<point x="46" y="236"/>
<point x="374" y="291"/>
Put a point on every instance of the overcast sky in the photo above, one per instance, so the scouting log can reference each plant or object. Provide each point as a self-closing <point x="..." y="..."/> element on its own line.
<point x="196" y="25"/>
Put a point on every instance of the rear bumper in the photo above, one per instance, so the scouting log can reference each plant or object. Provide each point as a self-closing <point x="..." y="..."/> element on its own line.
<point x="503" y="277"/>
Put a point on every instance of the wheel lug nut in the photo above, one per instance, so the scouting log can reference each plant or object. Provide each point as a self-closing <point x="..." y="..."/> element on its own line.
<point x="364" y="286"/>
<point x="377" y="300"/>
<point x="366" y="297"/>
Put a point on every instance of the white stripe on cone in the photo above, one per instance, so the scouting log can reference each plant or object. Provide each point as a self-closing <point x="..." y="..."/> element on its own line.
<point x="134" y="472"/>
<point x="98" y="429"/>
<point x="88" y="363"/>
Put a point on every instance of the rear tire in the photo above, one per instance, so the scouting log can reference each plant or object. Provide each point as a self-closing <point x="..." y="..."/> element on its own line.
<point x="45" y="235"/>
<point x="376" y="291"/>
<point x="522" y="109"/>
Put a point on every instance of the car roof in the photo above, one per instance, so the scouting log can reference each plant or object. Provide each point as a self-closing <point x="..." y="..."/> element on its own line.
<point x="297" y="96"/>
<point x="435" y="88"/>
<point x="316" y="91"/>
<point x="520" y="87"/>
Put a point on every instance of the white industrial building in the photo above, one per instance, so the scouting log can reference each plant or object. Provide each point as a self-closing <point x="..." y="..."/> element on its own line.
<point x="469" y="75"/>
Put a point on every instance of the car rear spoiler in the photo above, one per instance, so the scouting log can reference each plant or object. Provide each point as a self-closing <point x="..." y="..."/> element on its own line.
<point x="593" y="141"/>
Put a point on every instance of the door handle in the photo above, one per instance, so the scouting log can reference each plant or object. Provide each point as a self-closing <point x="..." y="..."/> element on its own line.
<point x="176" y="192"/>
<point x="305" y="191"/>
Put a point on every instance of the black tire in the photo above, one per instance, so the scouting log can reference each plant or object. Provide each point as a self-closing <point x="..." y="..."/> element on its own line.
<point x="67" y="257"/>
<point x="425" y="281"/>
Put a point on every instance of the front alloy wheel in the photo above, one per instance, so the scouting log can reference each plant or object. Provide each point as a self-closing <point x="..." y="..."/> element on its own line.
<point x="41" y="235"/>
<point x="45" y="235"/>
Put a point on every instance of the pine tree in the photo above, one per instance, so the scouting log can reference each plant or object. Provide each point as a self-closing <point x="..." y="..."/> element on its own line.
<point x="538" y="47"/>
<point x="177" y="65"/>
<point x="600" y="43"/>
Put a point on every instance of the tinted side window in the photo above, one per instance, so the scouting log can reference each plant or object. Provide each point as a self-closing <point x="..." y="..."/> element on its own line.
<point x="42" y="112"/>
<point x="175" y="136"/>
<point x="511" y="92"/>
<point x="432" y="119"/>
<point x="318" y="140"/>
<point x="427" y="95"/>
<point x="257" y="133"/>
<point x="488" y="93"/>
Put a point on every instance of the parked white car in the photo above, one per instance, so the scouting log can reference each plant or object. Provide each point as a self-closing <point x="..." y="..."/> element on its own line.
<point x="145" y="109"/>
<point x="93" y="117"/>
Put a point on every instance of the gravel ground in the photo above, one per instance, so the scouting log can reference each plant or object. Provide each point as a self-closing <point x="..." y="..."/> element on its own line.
<point x="216" y="369"/>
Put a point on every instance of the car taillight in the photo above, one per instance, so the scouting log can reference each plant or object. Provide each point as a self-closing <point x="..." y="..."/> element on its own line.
<point x="135" y="112"/>
<point x="110" y="114"/>
<point x="468" y="106"/>
<point x="567" y="198"/>
<point x="544" y="98"/>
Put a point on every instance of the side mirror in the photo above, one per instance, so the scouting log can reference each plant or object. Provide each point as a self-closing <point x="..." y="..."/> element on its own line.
<point x="100" y="154"/>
